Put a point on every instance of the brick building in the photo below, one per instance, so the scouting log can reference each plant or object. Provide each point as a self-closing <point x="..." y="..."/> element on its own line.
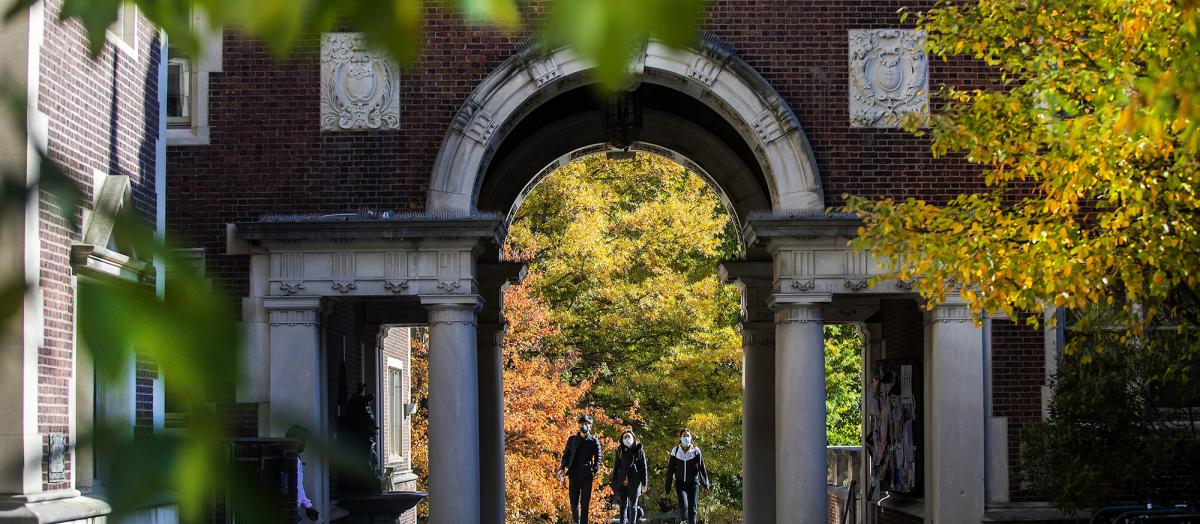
<point x="343" y="198"/>
<point x="99" y="120"/>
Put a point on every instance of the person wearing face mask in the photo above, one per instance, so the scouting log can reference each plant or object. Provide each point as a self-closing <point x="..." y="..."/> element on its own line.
<point x="687" y="469"/>
<point x="629" y="476"/>
<point x="580" y="461"/>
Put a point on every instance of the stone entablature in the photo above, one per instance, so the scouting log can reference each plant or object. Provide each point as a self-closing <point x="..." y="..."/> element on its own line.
<point x="409" y="255"/>
<point x="813" y="259"/>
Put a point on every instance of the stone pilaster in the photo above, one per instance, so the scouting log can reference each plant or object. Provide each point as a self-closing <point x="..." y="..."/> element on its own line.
<point x="954" y="465"/>
<point x="757" y="327"/>
<point x="296" y="382"/>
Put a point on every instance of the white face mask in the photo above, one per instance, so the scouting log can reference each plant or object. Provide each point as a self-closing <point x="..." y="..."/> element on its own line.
<point x="627" y="440"/>
<point x="686" y="441"/>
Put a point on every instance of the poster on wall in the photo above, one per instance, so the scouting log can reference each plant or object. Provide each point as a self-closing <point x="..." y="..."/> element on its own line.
<point x="893" y="441"/>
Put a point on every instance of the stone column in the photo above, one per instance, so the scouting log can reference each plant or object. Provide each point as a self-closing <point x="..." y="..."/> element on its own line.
<point x="296" y="385"/>
<point x="491" y="424"/>
<point x="758" y="388"/>
<point x="758" y="421"/>
<point x="800" y="413"/>
<point x="954" y="477"/>
<point x="453" y="410"/>
<point x="493" y="279"/>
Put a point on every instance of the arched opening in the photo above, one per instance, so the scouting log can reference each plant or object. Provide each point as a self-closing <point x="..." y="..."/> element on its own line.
<point x="705" y="104"/>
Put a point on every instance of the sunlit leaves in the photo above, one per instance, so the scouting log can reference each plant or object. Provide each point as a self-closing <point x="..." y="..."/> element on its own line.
<point x="623" y="254"/>
<point x="1087" y="150"/>
<point x="843" y="385"/>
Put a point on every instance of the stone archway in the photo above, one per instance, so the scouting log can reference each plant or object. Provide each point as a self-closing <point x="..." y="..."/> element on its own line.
<point x="710" y="74"/>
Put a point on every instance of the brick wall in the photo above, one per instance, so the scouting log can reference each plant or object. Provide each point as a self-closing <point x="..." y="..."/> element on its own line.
<point x="103" y="116"/>
<point x="268" y="155"/>
<point x="903" y="328"/>
<point x="1018" y="368"/>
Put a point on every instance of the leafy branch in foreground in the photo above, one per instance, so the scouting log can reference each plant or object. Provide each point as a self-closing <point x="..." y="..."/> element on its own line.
<point x="604" y="32"/>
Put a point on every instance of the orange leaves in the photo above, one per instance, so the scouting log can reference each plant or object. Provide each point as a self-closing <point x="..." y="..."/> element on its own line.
<point x="540" y="412"/>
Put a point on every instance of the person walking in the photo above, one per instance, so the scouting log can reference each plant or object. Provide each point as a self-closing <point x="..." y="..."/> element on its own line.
<point x="629" y="476"/>
<point x="686" y="467"/>
<point x="304" y="506"/>
<point x="579" y="464"/>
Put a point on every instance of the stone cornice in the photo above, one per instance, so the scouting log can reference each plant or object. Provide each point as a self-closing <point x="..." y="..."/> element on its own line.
<point x="385" y="227"/>
<point x="765" y="227"/>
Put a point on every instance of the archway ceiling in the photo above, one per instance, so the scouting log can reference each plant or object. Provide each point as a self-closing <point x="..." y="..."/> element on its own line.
<point x="673" y="122"/>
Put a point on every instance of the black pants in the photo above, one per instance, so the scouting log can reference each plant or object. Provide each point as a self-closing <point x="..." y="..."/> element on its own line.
<point x="580" y="490"/>
<point x="628" y="498"/>
<point x="686" y="494"/>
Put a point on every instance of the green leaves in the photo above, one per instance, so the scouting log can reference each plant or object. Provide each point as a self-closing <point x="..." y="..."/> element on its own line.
<point x="608" y="33"/>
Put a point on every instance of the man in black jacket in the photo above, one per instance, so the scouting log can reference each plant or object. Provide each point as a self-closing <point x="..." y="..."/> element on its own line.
<point x="580" y="461"/>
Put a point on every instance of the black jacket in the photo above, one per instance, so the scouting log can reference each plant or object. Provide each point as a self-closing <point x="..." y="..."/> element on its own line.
<point x="581" y="456"/>
<point x="686" y="467"/>
<point x="631" y="464"/>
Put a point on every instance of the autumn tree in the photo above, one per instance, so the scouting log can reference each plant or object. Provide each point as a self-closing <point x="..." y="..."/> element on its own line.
<point x="625" y="256"/>
<point x="1089" y="152"/>
<point x="540" y="412"/>
<point x="1088" y="147"/>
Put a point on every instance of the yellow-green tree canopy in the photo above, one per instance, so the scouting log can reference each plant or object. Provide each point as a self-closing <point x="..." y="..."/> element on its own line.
<point x="1089" y="150"/>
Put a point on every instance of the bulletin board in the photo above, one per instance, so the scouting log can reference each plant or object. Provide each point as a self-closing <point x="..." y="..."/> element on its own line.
<point x="894" y="438"/>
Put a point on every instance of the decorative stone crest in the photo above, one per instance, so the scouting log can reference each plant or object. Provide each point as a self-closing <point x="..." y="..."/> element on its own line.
<point x="889" y="76"/>
<point x="344" y="286"/>
<point x="360" y="87"/>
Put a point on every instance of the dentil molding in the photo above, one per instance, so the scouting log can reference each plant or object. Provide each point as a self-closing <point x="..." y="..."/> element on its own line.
<point x="360" y="87"/>
<point x="889" y="76"/>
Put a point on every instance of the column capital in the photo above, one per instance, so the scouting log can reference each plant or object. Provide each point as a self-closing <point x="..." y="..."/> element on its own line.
<point x="457" y="301"/>
<point x="779" y="301"/>
<point x="292" y="303"/>
<point x="951" y="310"/>
<point x="746" y="273"/>
<point x="750" y="327"/>
<point x="798" y="313"/>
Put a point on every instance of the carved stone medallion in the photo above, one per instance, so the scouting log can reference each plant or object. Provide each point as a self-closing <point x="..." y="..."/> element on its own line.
<point x="360" y="87"/>
<point x="889" y="76"/>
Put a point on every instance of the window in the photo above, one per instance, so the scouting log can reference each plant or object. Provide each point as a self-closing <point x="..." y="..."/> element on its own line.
<point x="187" y="85"/>
<point x="168" y="414"/>
<point x="395" y="414"/>
<point x="179" y="89"/>
<point x="123" y="32"/>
